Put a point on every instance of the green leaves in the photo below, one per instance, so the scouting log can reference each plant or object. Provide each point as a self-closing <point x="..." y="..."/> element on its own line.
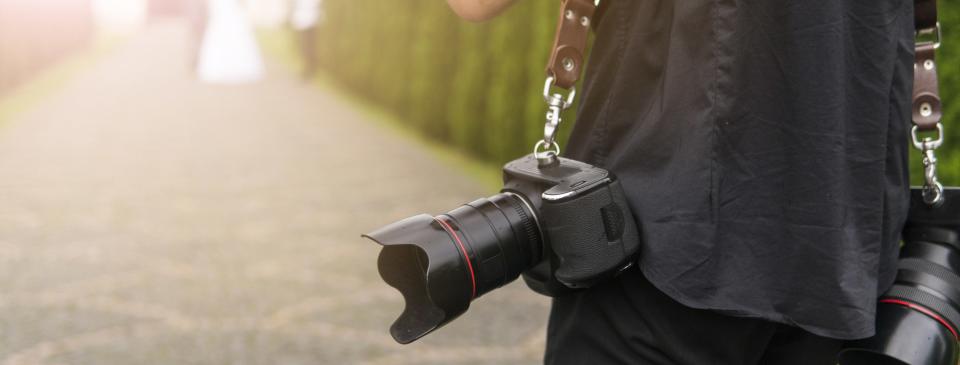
<point x="948" y="62"/>
<point x="474" y="86"/>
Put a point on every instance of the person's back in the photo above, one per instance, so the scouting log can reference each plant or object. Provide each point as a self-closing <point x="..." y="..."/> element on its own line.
<point x="196" y="16"/>
<point x="305" y="15"/>
<point x="762" y="145"/>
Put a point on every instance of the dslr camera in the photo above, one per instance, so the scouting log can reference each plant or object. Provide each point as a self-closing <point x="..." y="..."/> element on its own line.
<point x="919" y="316"/>
<point x="563" y="225"/>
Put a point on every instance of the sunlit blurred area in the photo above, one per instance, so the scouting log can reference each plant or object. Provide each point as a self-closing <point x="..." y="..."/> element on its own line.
<point x="186" y="181"/>
<point x="119" y="16"/>
<point x="34" y="34"/>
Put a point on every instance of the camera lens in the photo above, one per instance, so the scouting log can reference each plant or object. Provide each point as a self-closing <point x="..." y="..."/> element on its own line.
<point x="918" y="317"/>
<point x="439" y="264"/>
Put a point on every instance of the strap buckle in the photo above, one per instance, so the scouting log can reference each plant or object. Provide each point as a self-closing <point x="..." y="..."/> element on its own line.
<point x="935" y="34"/>
<point x="555" y="98"/>
<point x="927" y="143"/>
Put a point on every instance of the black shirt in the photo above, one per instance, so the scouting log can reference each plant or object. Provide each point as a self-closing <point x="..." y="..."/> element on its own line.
<point x="763" y="148"/>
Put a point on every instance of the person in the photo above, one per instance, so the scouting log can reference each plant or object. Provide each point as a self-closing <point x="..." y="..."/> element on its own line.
<point x="304" y="19"/>
<point x="229" y="53"/>
<point x="762" y="145"/>
<point x="196" y="16"/>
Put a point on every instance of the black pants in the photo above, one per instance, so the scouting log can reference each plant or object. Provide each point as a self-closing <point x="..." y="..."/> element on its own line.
<point x="629" y="321"/>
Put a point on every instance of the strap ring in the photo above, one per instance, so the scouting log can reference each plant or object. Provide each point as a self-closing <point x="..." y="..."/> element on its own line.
<point x="927" y="143"/>
<point x="552" y="147"/>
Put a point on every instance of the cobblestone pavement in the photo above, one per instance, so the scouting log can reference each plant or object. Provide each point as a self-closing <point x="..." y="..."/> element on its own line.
<point x="149" y="219"/>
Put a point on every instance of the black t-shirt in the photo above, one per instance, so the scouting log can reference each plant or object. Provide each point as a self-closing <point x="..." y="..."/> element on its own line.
<point x="763" y="148"/>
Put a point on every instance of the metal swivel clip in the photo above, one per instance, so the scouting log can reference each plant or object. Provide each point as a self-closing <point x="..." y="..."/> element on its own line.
<point x="932" y="189"/>
<point x="547" y="149"/>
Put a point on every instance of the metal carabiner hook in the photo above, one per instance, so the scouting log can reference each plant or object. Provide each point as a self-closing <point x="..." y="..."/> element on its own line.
<point x="932" y="188"/>
<point x="556" y="104"/>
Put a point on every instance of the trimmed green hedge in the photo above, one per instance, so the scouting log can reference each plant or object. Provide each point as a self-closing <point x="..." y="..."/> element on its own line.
<point x="948" y="62"/>
<point x="477" y="86"/>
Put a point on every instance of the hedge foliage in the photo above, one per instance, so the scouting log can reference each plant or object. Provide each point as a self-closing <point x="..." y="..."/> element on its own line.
<point x="948" y="62"/>
<point x="477" y="86"/>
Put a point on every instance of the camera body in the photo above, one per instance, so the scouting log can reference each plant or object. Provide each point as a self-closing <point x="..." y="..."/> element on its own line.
<point x="587" y="229"/>
<point x="564" y="226"/>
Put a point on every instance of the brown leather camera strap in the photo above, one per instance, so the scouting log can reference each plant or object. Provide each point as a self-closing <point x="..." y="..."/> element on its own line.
<point x="567" y="56"/>
<point x="926" y="93"/>
<point x="927" y="108"/>
<point x="570" y="42"/>
<point x="925" y="13"/>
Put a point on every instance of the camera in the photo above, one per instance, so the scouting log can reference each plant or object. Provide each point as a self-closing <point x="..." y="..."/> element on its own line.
<point x="918" y="317"/>
<point x="563" y="225"/>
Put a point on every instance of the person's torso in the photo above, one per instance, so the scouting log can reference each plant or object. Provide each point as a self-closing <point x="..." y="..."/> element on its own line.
<point x="762" y="145"/>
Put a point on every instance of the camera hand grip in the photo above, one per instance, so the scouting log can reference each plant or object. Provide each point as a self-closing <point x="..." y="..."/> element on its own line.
<point x="593" y="235"/>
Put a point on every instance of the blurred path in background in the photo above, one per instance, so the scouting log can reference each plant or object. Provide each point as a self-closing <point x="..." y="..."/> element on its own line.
<point x="146" y="218"/>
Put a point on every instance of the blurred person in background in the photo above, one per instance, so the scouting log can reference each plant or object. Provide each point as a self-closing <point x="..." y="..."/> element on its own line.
<point x="196" y="14"/>
<point x="229" y="53"/>
<point x="304" y="17"/>
<point x="762" y="146"/>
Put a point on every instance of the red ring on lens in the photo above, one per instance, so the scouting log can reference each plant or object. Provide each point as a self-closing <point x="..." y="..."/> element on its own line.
<point x="924" y="310"/>
<point x="463" y="249"/>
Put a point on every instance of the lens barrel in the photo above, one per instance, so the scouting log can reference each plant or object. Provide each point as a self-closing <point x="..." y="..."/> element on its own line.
<point x="919" y="316"/>
<point x="439" y="264"/>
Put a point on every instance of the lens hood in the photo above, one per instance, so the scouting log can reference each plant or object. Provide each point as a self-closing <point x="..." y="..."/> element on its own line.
<point x="419" y="260"/>
<point x="441" y="263"/>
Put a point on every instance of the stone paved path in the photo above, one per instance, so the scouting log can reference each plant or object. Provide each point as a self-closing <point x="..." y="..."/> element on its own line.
<point x="149" y="219"/>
